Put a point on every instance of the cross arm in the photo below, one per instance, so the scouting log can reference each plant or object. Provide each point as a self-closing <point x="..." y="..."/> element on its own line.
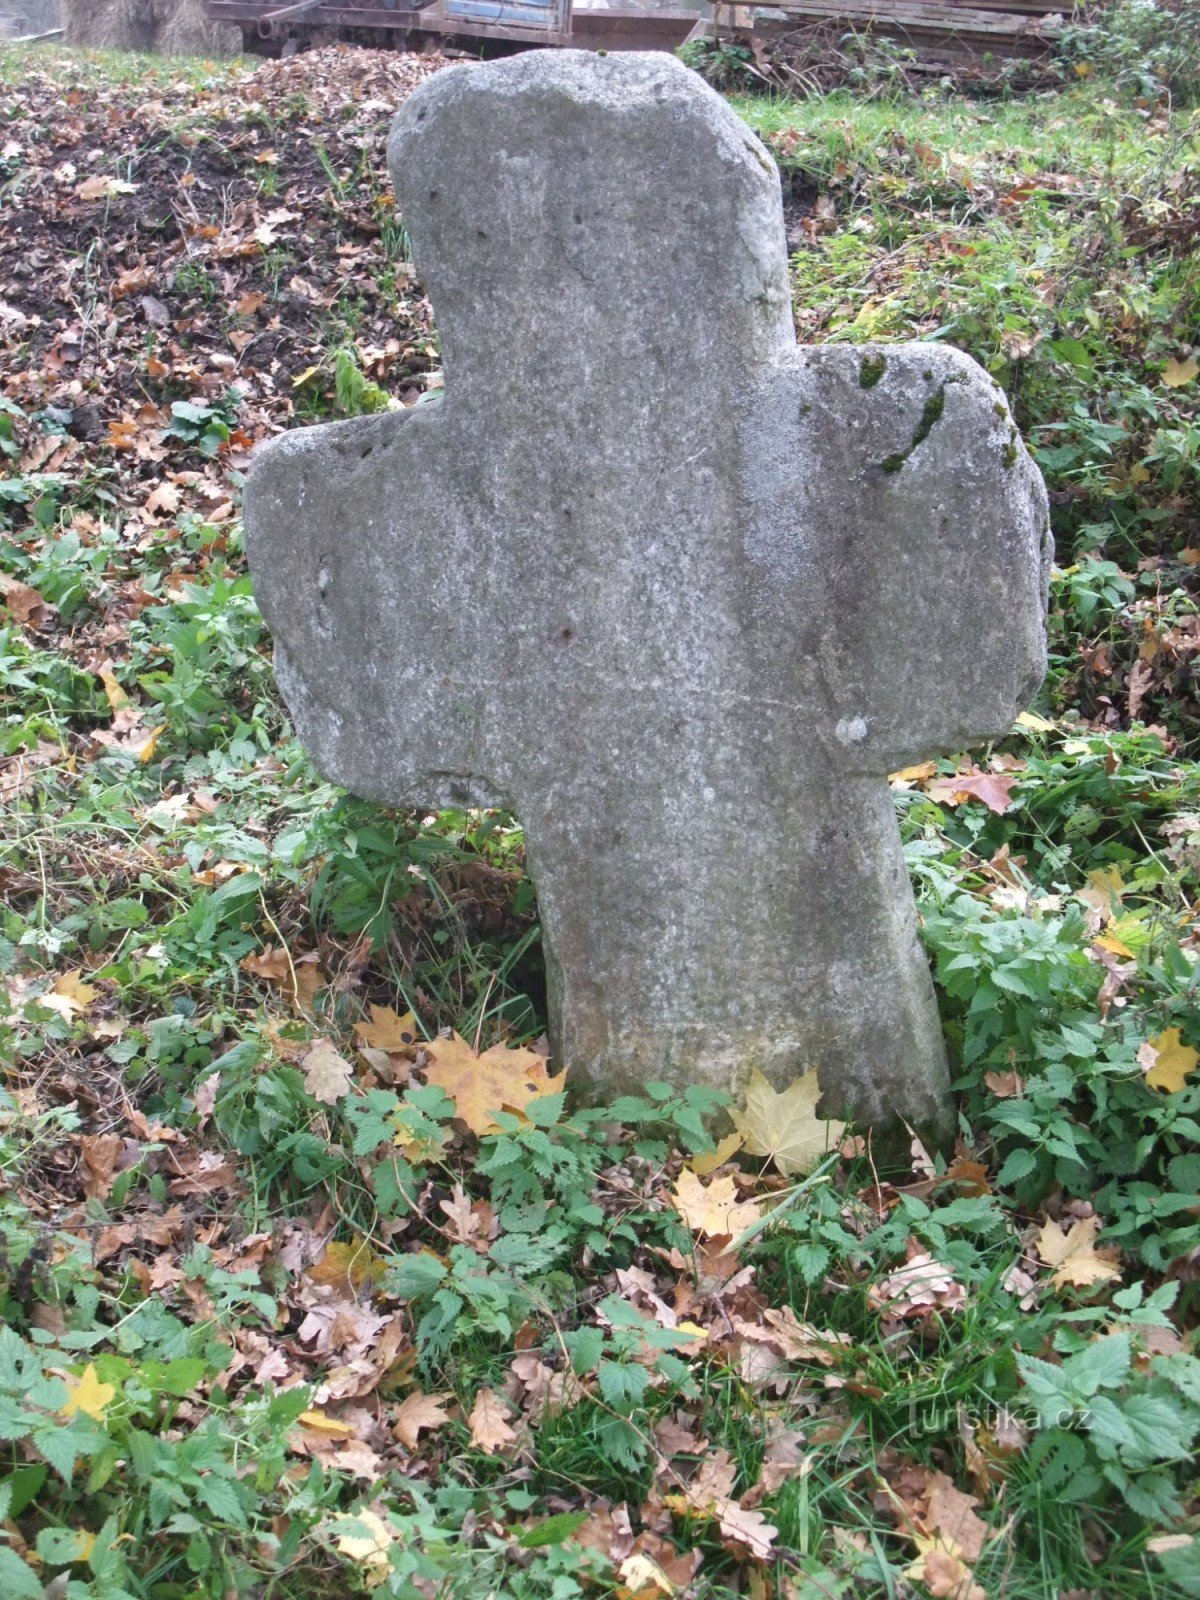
<point x="899" y="543"/>
<point x="347" y="527"/>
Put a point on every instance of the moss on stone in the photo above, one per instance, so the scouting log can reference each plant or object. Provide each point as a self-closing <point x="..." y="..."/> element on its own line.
<point x="871" y="370"/>
<point x="930" y="416"/>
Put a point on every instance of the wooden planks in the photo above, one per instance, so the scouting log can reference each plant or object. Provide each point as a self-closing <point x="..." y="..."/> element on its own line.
<point x="996" y="27"/>
<point x="926" y="14"/>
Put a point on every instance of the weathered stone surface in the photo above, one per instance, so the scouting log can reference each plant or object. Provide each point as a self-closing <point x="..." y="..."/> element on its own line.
<point x="676" y="591"/>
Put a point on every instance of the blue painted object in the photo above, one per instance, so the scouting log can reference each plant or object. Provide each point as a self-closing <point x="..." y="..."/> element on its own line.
<point x="550" y="16"/>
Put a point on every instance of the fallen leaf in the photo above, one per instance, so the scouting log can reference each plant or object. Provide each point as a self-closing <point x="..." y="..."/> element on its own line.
<point x="23" y="603"/>
<point x="327" y="1075"/>
<point x="944" y="1573"/>
<point x="713" y="1210"/>
<point x="748" y="1529"/>
<point x="148" y="749"/>
<point x="347" y="1267"/>
<point x="163" y="498"/>
<point x="921" y="1286"/>
<point x="480" y="1085"/>
<point x="1103" y="892"/>
<point x="328" y="1427"/>
<point x="1005" y="1085"/>
<point x="489" y="1427"/>
<point x="99" y="188"/>
<point x="643" y="1578"/>
<point x="387" y="1031"/>
<point x="100" y="1153"/>
<point x="785" y="1126"/>
<point x="1178" y="373"/>
<point x="794" y="1340"/>
<point x="1168" y="1061"/>
<point x="1073" y="1254"/>
<point x="364" y="1537"/>
<point x="420" y="1412"/>
<point x="72" y="991"/>
<point x="907" y="776"/>
<point x="993" y="788"/>
<point x="113" y="692"/>
<point x="729" y="1146"/>
<point x="87" y="1394"/>
<point x="952" y="1515"/>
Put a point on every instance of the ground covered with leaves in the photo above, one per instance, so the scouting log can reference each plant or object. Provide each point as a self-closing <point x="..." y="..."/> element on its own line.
<point x="313" y="1277"/>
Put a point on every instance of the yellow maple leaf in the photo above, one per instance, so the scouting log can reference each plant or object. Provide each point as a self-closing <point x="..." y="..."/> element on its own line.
<point x="498" y="1080"/>
<point x="364" y="1537"/>
<point x="388" y="1031"/>
<point x="149" y="748"/>
<point x="71" y="994"/>
<point x="1178" y="373"/>
<point x="713" y="1210"/>
<point x="785" y="1126"/>
<point x="729" y="1146"/>
<point x="322" y="1423"/>
<point x="115" y="695"/>
<point x="347" y="1267"/>
<point x="1073" y="1254"/>
<point x="1169" y="1060"/>
<point x="87" y="1394"/>
<point x="920" y="774"/>
<point x="1104" y="889"/>
<point x="419" y="1148"/>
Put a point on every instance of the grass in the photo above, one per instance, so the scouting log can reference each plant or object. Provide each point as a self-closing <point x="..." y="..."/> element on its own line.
<point x="198" y="1253"/>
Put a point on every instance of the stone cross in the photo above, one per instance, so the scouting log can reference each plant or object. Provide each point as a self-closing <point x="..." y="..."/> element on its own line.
<point x="676" y="591"/>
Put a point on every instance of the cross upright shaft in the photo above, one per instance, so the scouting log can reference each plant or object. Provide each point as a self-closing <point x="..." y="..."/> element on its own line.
<point x="676" y="591"/>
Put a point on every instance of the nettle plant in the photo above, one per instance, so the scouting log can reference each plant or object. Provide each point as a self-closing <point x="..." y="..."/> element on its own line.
<point x="1053" y="1075"/>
